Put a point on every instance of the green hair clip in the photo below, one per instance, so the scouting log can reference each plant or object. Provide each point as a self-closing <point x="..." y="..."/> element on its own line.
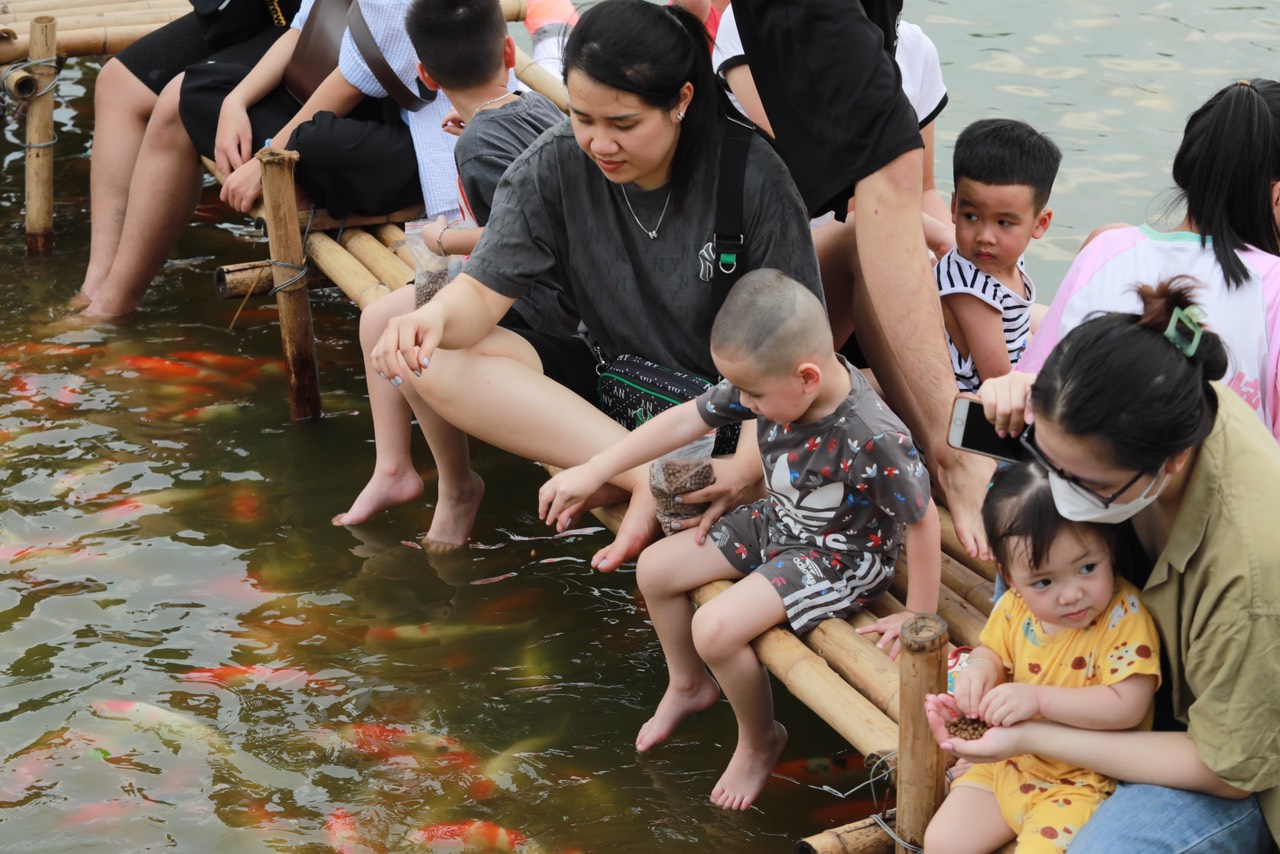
<point x="1184" y="330"/>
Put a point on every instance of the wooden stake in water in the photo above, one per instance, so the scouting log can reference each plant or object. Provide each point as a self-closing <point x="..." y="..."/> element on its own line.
<point x="39" y="178"/>
<point x="923" y="670"/>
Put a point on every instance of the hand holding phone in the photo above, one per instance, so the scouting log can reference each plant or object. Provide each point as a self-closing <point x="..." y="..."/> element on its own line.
<point x="971" y="431"/>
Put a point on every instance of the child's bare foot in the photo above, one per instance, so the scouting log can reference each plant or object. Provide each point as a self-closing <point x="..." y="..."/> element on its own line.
<point x="748" y="770"/>
<point x="455" y="514"/>
<point x="675" y="706"/>
<point x="639" y="527"/>
<point x="380" y="493"/>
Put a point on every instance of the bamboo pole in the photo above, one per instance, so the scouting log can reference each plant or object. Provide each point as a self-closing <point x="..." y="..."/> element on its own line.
<point x="951" y="545"/>
<point x="21" y="84"/>
<point x="816" y="685"/>
<point x="85" y="42"/>
<point x="236" y="281"/>
<point x="360" y="286"/>
<point x="515" y="10"/>
<point x="541" y="80"/>
<point x="923" y="670"/>
<point x="39" y="171"/>
<point x="155" y="18"/>
<point x="19" y="10"/>
<point x="966" y="622"/>
<point x="861" y="837"/>
<point x="377" y="258"/>
<point x="392" y="236"/>
<point x="285" y="243"/>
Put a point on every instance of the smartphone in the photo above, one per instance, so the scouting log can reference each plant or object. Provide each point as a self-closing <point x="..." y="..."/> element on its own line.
<point x="971" y="431"/>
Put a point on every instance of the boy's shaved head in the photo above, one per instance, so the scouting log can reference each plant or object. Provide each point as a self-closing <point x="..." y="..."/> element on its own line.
<point x="774" y="320"/>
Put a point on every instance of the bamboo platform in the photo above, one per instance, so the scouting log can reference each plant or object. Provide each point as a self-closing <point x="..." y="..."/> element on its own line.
<point x="872" y="702"/>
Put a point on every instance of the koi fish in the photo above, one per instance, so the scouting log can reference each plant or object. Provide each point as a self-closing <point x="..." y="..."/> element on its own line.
<point x="464" y="835"/>
<point x="240" y="674"/>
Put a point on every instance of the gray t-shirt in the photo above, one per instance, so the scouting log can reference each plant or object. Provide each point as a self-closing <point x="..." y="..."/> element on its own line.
<point x="555" y="214"/>
<point x="845" y="483"/>
<point x="492" y="141"/>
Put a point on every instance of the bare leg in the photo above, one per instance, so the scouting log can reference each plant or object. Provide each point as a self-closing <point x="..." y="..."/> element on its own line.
<point x="723" y="630"/>
<point x="394" y="480"/>
<point x="909" y="355"/>
<point x="968" y="822"/>
<point x="164" y="193"/>
<point x="122" y="104"/>
<point x="667" y="571"/>
<point x="496" y="392"/>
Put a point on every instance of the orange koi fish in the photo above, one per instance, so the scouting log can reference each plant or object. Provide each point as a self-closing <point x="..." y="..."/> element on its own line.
<point x="465" y="835"/>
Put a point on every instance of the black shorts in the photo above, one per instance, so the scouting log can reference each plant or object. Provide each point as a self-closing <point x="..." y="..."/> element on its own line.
<point x="163" y="54"/>
<point x="566" y="359"/>
<point x="831" y="89"/>
<point x="363" y="163"/>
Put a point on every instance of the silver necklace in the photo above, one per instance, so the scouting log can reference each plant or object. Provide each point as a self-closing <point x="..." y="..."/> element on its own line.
<point x="653" y="235"/>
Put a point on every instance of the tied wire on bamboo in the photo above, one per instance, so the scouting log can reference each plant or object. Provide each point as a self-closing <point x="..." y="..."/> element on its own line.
<point x="285" y="246"/>
<point x="40" y="138"/>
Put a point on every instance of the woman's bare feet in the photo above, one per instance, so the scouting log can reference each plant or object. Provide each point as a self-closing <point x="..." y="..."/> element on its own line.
<point x="676" y="705"/>
<point x="455" y="514"/>
<point x="748" y="770"/>
<point x="383" y="491"/>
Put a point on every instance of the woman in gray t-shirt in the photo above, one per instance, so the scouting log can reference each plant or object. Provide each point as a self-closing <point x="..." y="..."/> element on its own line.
<point x="618" y="206"/>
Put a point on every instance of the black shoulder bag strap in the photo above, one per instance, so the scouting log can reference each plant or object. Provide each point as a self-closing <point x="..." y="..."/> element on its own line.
<point x="372" y="55"/>
<point x="728" y="240"/>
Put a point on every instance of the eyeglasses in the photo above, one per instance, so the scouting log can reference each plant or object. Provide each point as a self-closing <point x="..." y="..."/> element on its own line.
<point x="1028" y="441"/>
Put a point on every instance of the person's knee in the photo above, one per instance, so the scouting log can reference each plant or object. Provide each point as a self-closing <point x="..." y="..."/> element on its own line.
<point x="118" y="90"/>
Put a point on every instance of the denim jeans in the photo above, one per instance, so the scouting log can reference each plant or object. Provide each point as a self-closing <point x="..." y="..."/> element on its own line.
<point x="1142" y="819"/>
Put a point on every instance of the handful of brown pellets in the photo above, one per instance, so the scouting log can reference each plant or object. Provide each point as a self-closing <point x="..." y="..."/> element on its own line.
<point x="671" y="477"/>
<point x="969" y="729"/>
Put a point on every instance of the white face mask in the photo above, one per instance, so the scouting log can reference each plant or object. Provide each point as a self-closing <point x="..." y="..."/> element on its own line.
<point x="1078" y="507"/>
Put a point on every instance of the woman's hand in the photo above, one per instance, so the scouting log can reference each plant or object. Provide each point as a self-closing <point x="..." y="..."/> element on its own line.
<point x="409" y="340"/>
<point x="737" y="482"/>
<point x="997" y="743"/>
<point x="564" y="496"/>
<point x="1007" y="704"/>
<point x="1006" y="401"/>
<point x="233" y="142"/>
<point x="243" y="187"/>
<point x="889" y="628"/>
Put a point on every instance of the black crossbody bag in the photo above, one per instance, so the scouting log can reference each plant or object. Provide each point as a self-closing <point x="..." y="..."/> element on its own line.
<point x="633" y="389"/>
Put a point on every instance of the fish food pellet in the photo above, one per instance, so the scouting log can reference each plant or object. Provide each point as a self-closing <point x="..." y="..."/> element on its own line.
<point x="969" y="729"/>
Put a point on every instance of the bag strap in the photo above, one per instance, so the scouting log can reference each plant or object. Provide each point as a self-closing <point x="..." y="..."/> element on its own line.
<point x="728" y="240"/>
<point x="378" y="65"/>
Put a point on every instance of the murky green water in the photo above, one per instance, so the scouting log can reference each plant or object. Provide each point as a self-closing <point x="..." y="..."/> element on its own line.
<point x="165" y="537"/>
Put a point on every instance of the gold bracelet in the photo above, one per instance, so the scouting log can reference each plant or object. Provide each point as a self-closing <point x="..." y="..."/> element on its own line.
<point x="444" y="253"/>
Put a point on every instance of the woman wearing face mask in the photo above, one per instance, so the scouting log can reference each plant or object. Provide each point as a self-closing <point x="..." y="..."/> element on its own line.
<point x="1132" y="424"/>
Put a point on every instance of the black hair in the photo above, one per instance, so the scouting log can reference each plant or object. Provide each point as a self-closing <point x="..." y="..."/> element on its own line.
<point x="651" y="51"/>
<point x="1118" y="379"/>
<point x="1004" y="152"/>
<point x="1224" y="169"/>
<point x="1019" y="506"/>
<point x="458" y="42"/>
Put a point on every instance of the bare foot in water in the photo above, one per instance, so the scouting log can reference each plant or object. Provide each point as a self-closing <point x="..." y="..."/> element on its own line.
<point x="455" y="514"/>
<point x="639" y="527"/>
<point x="675" y="706"/>
<point x="748" y="770"/>
<point x="380" y="493"/>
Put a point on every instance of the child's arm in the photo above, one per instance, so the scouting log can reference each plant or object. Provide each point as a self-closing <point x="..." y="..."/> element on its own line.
<point x="564" y="496"/>
<point x="243" y="187"/>
<point x="234" y="139"/>
<point x="1121" y="705"/>
<point x="983" y="329"/>
<point x="924" y="558"/>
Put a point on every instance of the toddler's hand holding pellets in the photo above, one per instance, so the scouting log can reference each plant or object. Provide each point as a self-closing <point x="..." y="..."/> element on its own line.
<point x="669" y="478"/>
